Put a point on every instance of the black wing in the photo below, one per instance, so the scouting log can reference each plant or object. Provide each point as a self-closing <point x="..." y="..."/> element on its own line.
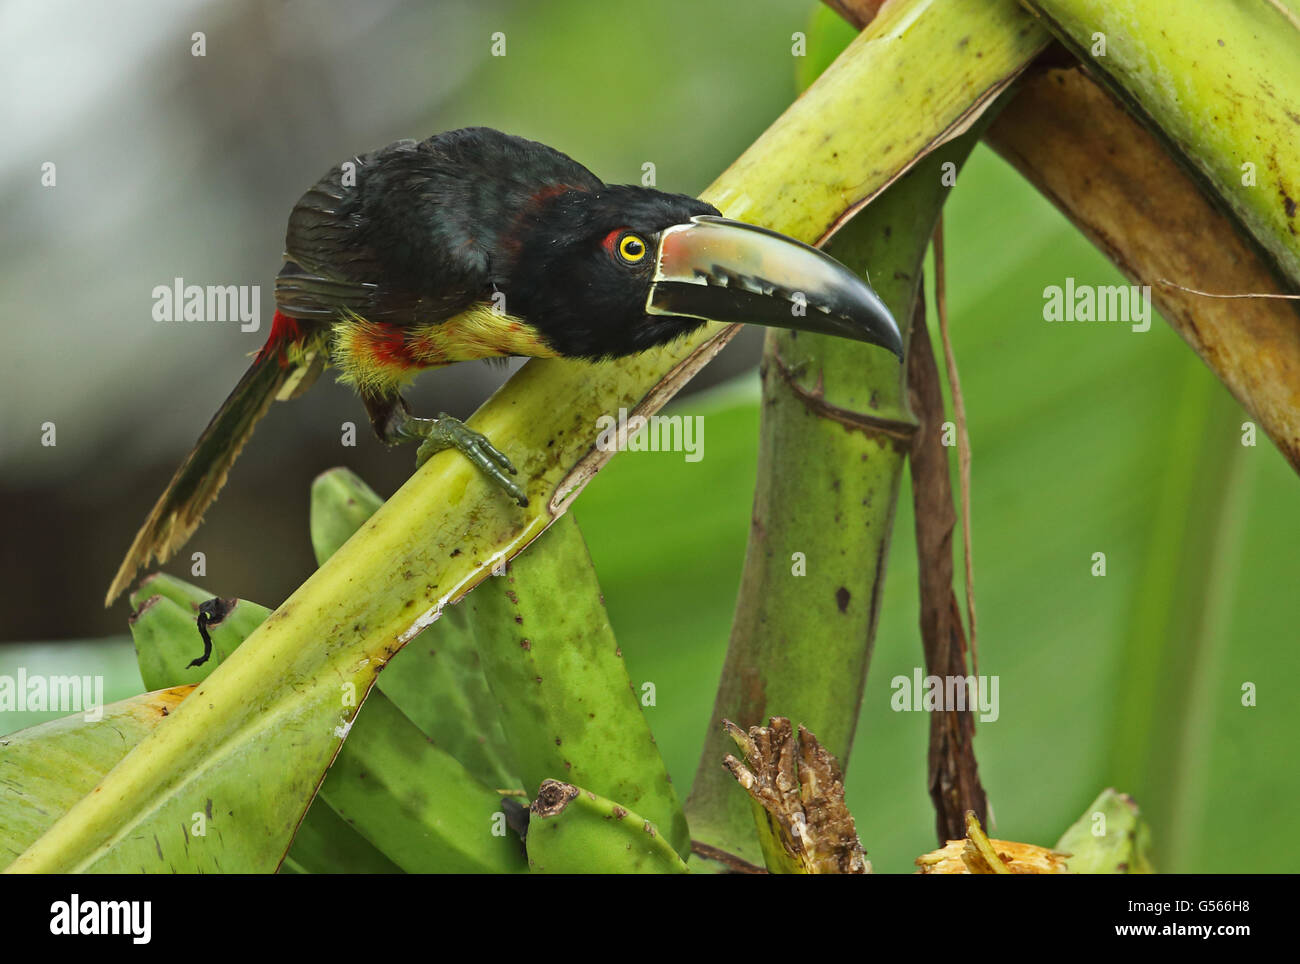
<point x="416" y="232"/>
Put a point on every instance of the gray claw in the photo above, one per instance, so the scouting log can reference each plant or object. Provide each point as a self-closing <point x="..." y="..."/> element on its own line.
<point x="449" y="432"/>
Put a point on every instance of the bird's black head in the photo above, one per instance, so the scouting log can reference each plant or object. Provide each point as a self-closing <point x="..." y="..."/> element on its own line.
<point x="584" y="263"/>
<point x="607" y="272"/>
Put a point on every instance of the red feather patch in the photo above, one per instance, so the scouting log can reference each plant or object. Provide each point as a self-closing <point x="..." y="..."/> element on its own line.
<point x="284" y="331"/>
<point x="611" y="240"/>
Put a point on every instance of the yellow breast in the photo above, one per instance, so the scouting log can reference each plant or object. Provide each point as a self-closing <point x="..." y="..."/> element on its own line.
<point x="382" y="359"/>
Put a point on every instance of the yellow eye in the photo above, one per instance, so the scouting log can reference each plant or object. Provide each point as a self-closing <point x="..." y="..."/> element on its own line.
<point x="631" y="249"/>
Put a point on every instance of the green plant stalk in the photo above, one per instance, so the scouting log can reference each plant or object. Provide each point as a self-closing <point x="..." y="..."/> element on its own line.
<point x="834" y="434"/>
<point x="918" y="62"/>
<point x="567" y="704"/>
<point x="776" y="858"/>
<point x="574" y="831"/>
<point x="440" y="534"/>
<point x="828" y="32"/>
<point x="163" y="625"/>
<point x="400" y="795"/>
<point x="1220" y="79"/>
<point x="437" y="682"/>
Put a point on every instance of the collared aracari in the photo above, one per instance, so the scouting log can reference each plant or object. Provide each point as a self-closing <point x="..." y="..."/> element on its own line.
<point x="477" y="244"/>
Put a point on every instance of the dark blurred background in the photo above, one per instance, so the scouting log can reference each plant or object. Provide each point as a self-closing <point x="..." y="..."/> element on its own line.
<point x="1087" y="438"/>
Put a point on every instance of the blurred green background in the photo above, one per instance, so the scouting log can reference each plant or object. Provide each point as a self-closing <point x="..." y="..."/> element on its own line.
<point x="1087" y="438"/>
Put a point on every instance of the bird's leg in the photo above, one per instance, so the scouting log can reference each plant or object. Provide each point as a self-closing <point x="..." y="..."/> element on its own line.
<point x="444" y="432"/>
<point x="393" y="423"/>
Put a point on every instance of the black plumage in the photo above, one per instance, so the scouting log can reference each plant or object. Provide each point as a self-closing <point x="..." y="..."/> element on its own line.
<point x="477" y="244"/>
<point x="428" y="229"/>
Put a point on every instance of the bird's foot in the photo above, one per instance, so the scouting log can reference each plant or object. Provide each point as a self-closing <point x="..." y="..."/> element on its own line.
<point x="445" y="432"/>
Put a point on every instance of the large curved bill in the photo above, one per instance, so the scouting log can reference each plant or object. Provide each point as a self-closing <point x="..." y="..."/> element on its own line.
<point x="722" y="270"/>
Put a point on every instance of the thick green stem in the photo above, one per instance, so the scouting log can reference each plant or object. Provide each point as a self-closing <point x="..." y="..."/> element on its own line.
<point x="835" y="430"/>
<point x="437" y="682"/>
<point x="1220" y="79"/>
<point x="574" y="831"/>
